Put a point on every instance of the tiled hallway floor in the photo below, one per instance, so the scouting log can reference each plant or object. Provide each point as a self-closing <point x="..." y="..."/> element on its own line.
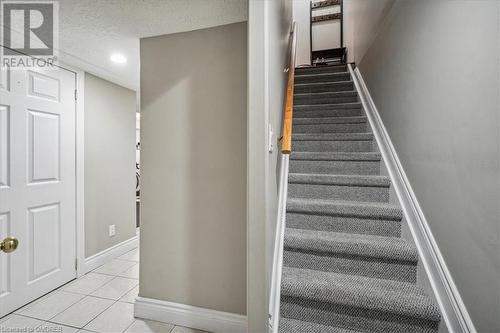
<point x="100" y="301"/>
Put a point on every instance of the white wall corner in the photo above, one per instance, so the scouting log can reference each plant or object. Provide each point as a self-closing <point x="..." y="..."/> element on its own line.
<point x="453" y="310"/>
<point x="189" y="316"/>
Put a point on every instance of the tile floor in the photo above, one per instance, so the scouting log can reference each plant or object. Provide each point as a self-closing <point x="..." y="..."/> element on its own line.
<point x="100" y="301"/>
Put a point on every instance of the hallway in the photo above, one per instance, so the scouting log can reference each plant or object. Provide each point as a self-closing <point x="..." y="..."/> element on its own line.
<point x="100" y="301"/>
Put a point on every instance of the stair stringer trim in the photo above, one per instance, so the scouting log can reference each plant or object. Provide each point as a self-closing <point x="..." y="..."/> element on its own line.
<point x="454" y="312"/>
<point x="279" y="239"/>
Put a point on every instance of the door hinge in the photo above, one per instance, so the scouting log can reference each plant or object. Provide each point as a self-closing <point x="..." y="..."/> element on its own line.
<point x="76" y="94"/>
<point x="76" y="264"/>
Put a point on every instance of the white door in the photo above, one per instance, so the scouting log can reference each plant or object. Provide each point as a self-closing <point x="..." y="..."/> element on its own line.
<point x="37" y="182"/>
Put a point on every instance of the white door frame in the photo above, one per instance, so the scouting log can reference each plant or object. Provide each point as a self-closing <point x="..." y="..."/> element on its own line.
<point x="86" y="264"/>
<point x="80" y="166"/>
<point x="80" y="170"/>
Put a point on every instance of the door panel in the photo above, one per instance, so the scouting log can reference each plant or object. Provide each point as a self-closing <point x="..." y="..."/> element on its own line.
<point x="37" y="182"/>
<point x="44" y="224"/>
<point x="44" y="146"/>
<point x="4" y="146"/>
<point x="42" y="86"/>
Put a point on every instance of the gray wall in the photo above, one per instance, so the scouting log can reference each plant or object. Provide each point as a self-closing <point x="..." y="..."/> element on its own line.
<point x="193" y="167"/>
<point x="109" y="163"/>
<point x="363" y="19"/>
<point x="433" y="72"/>
<point x="269" y="27"/>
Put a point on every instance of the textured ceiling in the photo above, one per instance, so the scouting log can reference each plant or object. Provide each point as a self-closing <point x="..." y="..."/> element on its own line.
<point x="91" y="30"/>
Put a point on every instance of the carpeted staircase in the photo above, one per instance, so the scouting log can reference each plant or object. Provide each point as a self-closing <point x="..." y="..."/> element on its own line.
<point x="345" y="266"/>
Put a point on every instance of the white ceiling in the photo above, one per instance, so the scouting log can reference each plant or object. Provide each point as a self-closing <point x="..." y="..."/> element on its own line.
<point x="91" y="30"/>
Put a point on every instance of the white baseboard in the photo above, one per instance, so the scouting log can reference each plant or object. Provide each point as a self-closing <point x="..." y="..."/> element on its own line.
<point x="452" y="307"/>
<point x="189" y="316"/>
<point x="105" y="256"/>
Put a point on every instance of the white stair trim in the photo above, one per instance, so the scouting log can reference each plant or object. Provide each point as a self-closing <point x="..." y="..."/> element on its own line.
<point x="454" y="312"/>
<point x="275" y="293"/>
<point x="189" y="316"/>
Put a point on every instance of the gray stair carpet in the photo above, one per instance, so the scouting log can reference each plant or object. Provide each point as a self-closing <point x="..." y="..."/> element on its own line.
<point x="346" y="268"/>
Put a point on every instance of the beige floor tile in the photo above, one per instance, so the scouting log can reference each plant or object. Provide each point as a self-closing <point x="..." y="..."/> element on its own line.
<point x="4" y="318"/>
<point x="131" y="255"/>
<point x="49" y="306"/>
<point x="114" y="267"/>
<point x="131" y="273"/>
<point x="81" y="313"/>
<point x="116" y="318"/>
<point x="115" y="288"/>
<point x="130" y="296"/>
<point x="87" y="284"/>
<point x="149" y="326"/>
<point x="17" y="323"/>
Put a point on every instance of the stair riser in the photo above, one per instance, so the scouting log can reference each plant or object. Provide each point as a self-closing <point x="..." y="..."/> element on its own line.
<point x="358" y="319"/>
<point x="336" y="192"/>
<point x="336" y="167"/>
<point x="323" y="78"/>
<point x="330" y="128"/>
<point x="306" y="100"/>
<point x="332" y="146"/>
<point x="327" y="87"/>
<point x="320" y="70"/>
<point x="345" y="224"/>
<point x="297" y="113"/>
<point x="352" y="265"/>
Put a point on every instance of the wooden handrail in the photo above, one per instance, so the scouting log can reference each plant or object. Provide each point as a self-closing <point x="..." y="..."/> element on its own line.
<point x="286" y="140"/>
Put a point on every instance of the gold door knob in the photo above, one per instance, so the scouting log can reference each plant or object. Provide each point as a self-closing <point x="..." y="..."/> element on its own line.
<point x="9" y="244"/>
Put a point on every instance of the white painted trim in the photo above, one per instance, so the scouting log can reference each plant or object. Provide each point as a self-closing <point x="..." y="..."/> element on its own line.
<point x="84" y="264"/>
<point x="189" y="316"/>
<point x="80" y="172"/>
<point x="274" y="296"/>
<point x="452" y="307"/>
<point x="79" y="163"/>
<point x="110" y="253"/>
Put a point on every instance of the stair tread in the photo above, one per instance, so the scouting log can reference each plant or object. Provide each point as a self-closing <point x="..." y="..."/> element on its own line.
<point x="374" y="210"/>
<point x="321" y="75"/>
<point x="335" y="106"/>
<point x="330" y="120"/>
<point x="332" y="137"/>
<point x="321" y="84"/>
<point x="287" y="325"/>
<point x="377" y="247"/>
<point x="347" y="180"/>
<point x="336" y="156"/>
<point x="330" y="106"/>
<point x="389" y="296"/>
<point x="326" y="94"/>
<point x="321" y="67"/>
